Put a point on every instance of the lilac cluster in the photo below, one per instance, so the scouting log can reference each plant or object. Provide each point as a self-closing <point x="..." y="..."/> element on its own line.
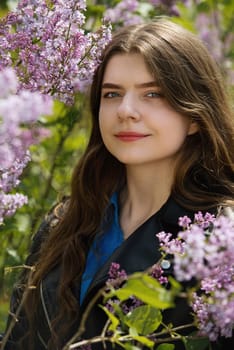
<point x="9" y="203"/>
<point x="116" y="276"/>
<point x="18" y="115"/>
<point x="200" y="219"/>
<point x="9" y="177"/>
<point x="210" y="27"/>
<point x="128" y="12"/>
<point x="204" y="250"/>
<point x="116" y="279"/>
<point x="157" y="273"/>
<point x="48" y="45"/>
<point x="16" y="110"/>
<point x="124" y="13"/>
<point x="210" y="34"/>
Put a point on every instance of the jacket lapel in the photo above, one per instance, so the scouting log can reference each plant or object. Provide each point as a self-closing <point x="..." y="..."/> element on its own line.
<point x="141" y="249"/>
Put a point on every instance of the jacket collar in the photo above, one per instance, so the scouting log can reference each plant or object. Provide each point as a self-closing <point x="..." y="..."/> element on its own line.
<point x="141" y="249"/>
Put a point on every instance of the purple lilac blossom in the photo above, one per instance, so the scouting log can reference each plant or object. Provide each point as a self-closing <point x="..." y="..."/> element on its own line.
<point x="9" y="177"/>
<point x="209" y="27"/>
<point x="210" y="34"/>
<point x="9" y="203"/>
<point x="47" y="44"/>
<point x="124" y="13"/>
<point x="184" y="221"/>
<point x="204" y="221"/>
<point x="18" y="115"/>
<point x="157" y="273"/>
<point x="207" y="254"/>
<point x="17" y="109"/>
<point x="117" y="277"/>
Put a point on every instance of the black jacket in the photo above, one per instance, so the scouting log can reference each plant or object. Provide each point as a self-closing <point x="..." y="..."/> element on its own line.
<point x="137" y="253"/>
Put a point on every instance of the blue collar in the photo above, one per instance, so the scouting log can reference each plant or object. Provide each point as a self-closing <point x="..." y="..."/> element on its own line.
<point x="103" y="246"/>
<point x="115" y="201"/>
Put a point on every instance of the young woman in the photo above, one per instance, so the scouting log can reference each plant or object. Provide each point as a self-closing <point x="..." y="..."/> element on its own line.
<point x="161" y="147"/>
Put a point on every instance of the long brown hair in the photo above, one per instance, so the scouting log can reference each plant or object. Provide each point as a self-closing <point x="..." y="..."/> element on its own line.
<point x="192" y="83"/>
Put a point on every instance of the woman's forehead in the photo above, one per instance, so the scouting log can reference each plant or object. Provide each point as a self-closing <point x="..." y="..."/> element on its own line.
<point x="128" y="66"/>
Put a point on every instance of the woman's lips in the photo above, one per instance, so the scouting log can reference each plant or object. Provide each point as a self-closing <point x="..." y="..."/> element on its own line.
<point x="129" y="136"/>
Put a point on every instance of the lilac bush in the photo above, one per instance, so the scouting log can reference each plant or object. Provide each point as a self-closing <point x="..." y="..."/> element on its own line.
<point x="204" y="250"/>
<point x="118" y="276"/>
<point x="210" y="23"/>
<point x="210" y="28"/>
<point x="19" y="112"/>
<point x="124" y="13"/>
<point x="48" y="45"/>
<point x="52" y="54"/>
<point x="128" y="12"/>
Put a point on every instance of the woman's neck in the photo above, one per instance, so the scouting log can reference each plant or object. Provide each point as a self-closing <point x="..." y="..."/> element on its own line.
<point x="145" y="193"/>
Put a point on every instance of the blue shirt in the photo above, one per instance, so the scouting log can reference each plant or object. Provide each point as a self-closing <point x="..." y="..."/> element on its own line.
<point x="102" y="248"/>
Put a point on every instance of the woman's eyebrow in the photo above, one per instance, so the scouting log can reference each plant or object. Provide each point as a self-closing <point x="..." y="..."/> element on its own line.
<point x="111" y="86"/>
<point x="147" y="84"/>
<point x="141" y="85"/>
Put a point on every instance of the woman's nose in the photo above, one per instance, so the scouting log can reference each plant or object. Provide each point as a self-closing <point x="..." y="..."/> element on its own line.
<point x="128" y="108"/>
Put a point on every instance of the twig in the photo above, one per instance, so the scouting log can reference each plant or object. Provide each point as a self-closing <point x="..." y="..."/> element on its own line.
<point x="19" y="308"/>
<point x="83" y="320"/>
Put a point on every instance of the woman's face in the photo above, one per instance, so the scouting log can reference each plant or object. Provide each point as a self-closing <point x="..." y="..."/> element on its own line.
<point x="138" y="126"/>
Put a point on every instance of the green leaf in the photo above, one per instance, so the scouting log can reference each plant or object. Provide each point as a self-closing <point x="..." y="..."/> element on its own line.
<point x="196" y="344"/>
<point x="145" y="341"/>
<point x="114" y="320"/>
<point x="14" y="254"/>
<point x="128" y="346"/>
<point x="166" y="346"/>
<point x="145" y="319"/>
<point x="147" y="289"/>
<point x="203" y="6"/>
<point x="175" y="286"/>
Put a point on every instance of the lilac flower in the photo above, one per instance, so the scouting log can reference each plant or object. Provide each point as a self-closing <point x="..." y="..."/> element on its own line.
<point x="124" y="13"/>
<point x="131" y="304"/>
<point x="18" y="115"/>
<point x="157" y="273"/>
<point x="209" y="27"/>
<point x="17" y="109"/>
<point x="214" y="315"/>
<point x="168" y="245"/>
<point x="47" y="44"/>
<point x="9" y="178"/>
<point x="164" y="238"/>
<point x="208" y="256"/>
<point x="184" y="222"/>
<point x="116" y="279"/>
<point x="210" y="34"/>
<point x="9" y="203"/>
<point x="204" y="220"/>
<point x="116" y="275"/>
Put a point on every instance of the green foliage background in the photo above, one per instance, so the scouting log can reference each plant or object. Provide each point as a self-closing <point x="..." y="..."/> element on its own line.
<point x="47" y="177"/>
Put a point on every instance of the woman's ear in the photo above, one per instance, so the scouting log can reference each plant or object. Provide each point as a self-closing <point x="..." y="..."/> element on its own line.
<point x="193" y="128"/>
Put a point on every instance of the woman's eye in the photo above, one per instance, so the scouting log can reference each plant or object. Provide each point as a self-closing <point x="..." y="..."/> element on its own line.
<point x="110" y="94"/>
<point x="153" y="94"/>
